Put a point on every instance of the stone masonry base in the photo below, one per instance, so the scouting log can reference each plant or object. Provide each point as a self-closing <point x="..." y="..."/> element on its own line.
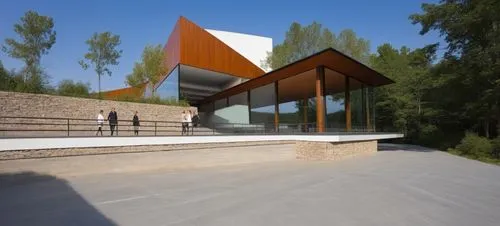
<point x="66" y="152"/>
<point x="311" y="150"/>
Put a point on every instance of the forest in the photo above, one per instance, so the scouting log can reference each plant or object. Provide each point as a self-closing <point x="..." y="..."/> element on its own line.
<point x="448" y="101"/>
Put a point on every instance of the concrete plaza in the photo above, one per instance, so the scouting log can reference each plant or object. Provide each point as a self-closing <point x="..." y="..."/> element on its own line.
<point x="399" y="185"/>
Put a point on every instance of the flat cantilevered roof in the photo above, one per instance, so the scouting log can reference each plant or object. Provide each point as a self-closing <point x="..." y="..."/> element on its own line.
<point x="329" y="58"/>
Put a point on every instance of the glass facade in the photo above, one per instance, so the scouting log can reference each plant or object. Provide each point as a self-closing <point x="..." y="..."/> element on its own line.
<point x="335" y="87"/>
<point x="219" y="104"/>
<point x="370" y="123"/>
<point x="297" y="102"/>
<point x="169" y="88"/>
<point x="262" y="104"/>
<point x="296" y="99"/>
<point x="206" y="112"/>
<point x="358" y="105"/>
<point x="237" y="109"/>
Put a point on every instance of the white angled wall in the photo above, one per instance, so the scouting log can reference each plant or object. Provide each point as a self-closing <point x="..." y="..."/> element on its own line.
<point x="252" y="47"/>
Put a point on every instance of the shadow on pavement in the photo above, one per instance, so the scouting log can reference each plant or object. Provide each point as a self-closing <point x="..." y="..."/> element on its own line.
<point x="30" y="198"/>
<point x="402" y="147"/>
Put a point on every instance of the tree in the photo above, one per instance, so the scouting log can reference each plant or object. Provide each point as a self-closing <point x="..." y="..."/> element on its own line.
<point x="102" y="53"/>
<point x="471" y="30"/>
<point x="151" y="68"/>
<point x="137" y="77"/>
<point x="37" y="37"/>
<point x="348" y="43"/>
<point x="70" y="88"/>
<point x="4" y="78"/>
<point x="301" y="42"/>
<point x="403" y="104"/>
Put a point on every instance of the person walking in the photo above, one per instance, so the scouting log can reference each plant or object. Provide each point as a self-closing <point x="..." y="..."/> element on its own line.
<point x="196" y="121"/>
<point x="113" y="121"/>
<point x="135" y="123"/>
<point x="183" y="122"/>
<point x="100" y="122"/>
<point x="189" y="123"/>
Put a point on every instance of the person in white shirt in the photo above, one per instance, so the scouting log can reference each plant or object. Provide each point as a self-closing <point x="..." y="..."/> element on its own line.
<point x="189" y="118"/>
<point x="100" y="122"/>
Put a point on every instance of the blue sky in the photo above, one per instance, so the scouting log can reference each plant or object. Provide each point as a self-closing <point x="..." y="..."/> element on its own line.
<point x="150" y="22"/>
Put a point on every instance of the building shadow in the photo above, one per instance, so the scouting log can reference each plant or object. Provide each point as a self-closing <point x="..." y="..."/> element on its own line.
<point x="402" y="147"/>
<point x="29" y="198"/>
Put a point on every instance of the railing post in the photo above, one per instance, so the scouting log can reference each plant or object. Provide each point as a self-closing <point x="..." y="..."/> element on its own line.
<point x="155" y="128"/>
<point x="68" y="126"/>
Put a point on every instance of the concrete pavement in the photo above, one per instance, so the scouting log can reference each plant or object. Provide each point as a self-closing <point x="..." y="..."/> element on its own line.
<point x="402" y="185"/>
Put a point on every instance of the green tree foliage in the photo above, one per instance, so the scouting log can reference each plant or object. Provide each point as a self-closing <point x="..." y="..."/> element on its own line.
<point x="402" y="105"/>
<point x="4" y="78"/>
<point x="101" y="54"/>
<point x="303" y="41"/>
<point x="70" y="88"/>
<point x="475" y="146"/>
<point x="151" y="68"/>
<point x="37" y="36"/>
<point x="471" y="30"/>
<point x="137" y="77"/>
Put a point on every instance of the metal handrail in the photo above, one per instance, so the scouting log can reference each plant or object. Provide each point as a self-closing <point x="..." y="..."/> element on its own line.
<point x="76" y="126"/>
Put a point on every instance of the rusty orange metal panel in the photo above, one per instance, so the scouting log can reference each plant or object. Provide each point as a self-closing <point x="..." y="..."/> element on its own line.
<point x="199" y="48"/>
<point x="172" y="48"/>
<point x="129" y="92"/>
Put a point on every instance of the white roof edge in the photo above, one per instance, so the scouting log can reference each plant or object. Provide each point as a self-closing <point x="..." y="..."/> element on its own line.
<point x="7" y="144"/>
<point x="259" y="36"/>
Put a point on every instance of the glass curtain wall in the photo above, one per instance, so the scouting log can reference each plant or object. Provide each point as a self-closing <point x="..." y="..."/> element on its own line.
<point x="219" y="104"/>
<point x="297" y="102"/>
<point x="358" y="105"/>
<point x="169" y="88"/>
<point x="206" y="113"/>
<point x="335" y="87"/>
<point x="262" y="106"/>
<point x="232" y="110"/>
<point x="370" y="123"/>
<point x="238" y="108"/>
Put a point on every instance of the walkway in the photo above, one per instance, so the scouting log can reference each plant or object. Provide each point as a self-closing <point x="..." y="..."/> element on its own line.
<point x="411" y="187"/>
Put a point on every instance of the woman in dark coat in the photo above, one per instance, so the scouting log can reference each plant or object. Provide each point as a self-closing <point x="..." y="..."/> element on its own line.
<point x="135" y="123"/>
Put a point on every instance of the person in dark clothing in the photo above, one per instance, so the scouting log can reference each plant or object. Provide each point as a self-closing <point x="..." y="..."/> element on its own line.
<point x="135" y="123"/>
<point x="113" y="121"/>
<point x="196" y="121"/>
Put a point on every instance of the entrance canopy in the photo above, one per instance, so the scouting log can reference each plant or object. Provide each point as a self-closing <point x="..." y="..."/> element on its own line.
<point x="332" y="60"/>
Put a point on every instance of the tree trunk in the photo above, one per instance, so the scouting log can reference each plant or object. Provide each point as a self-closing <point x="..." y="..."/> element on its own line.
<point x="99" y="77"/>
<point x="487" y="128"/>
<point x="419" y="106"/>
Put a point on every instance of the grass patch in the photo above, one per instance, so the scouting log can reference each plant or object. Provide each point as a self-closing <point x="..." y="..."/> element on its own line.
<point x="473" y="157"/>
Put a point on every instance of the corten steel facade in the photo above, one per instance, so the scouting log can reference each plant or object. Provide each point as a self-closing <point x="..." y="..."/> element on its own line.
<point x="218" y="72"/>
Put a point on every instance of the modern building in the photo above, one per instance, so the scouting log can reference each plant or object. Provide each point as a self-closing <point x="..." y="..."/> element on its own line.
<point x="220" y="72"/>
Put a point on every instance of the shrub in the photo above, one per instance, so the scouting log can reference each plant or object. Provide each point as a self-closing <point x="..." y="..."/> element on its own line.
<point x="496" y="148"/>
<point x="151" y="100"/>
<point x="70" y="88"/>
<point x="474" y="146"/>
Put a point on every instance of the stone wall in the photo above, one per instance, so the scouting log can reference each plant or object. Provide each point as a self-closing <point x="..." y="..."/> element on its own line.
<point x="67" y="152"/>
<point x="313" y="150"/>
<point x="41" y="105"/>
